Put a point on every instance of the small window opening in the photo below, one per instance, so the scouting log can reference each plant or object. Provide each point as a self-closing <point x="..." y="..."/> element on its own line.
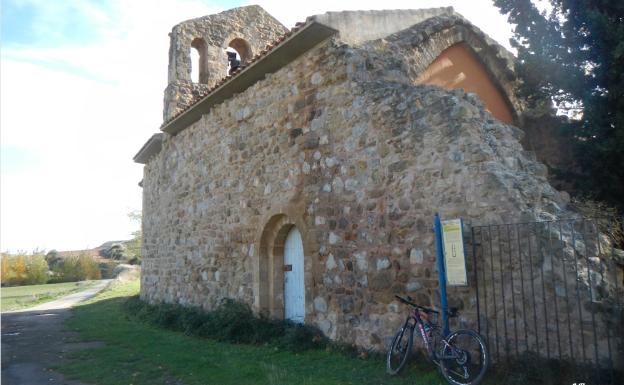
<point x="199" y="70"/>
<point x="238" y="54"/>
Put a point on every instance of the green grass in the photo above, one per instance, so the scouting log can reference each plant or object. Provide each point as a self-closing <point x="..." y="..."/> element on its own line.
<point x="20" y="297"/>
<point x="138" y="353"/>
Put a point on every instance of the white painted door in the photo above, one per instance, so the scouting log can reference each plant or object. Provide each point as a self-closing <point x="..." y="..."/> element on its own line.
<point x="294" y="287"/>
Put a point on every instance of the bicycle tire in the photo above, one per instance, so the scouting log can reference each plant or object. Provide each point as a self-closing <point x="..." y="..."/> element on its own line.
<point x="470" y="367"/>
<point x="402" y="345"/>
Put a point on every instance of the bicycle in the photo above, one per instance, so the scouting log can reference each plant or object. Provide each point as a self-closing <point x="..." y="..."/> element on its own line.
<point x="462" y="356"/>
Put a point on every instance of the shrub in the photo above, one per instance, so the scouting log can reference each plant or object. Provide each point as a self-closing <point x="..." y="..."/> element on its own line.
<point x="124" y="252"/>
<point x="117" y="251"/>
<point x="231" y="321"/>
<point x="107" y="269"/>
<point x="53" y="258"/>
<point x="23" y="269"/>
<point x="608" y="219"/>
<point x="299" y="337"/>
<point x="134" y="260"/>
<point x="78" y="268"/>
<point x="36" y="270"/>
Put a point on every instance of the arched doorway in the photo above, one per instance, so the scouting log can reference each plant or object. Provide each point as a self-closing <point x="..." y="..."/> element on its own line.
<point x="284" y="273"/>
<point x="294" y="281"/>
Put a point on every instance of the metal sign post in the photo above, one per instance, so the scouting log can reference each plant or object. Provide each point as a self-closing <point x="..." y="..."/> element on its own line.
<point x="437" y="225"/>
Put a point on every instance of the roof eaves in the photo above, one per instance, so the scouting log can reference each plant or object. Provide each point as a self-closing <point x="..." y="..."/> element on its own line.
<point x="149" y="149"/>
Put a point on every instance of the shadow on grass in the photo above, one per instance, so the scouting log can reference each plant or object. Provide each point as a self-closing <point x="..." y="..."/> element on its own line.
<point x="139" y="353"/>
<point x="530" y="368"/>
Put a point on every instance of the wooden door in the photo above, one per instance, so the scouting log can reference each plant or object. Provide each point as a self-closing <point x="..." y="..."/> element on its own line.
<point x="294" y="287"/>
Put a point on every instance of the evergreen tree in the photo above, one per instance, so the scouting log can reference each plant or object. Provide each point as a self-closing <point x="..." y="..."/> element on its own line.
<point x="573" y="55"/>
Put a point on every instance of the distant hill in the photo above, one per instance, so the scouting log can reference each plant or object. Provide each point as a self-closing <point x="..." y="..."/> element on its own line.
<point x="107" y="245"/>
<point x="96" y="252"/>
<point x="74" y="253"/>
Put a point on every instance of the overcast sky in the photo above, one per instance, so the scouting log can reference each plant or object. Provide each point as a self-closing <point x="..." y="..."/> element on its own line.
<point x="81" y="88"/>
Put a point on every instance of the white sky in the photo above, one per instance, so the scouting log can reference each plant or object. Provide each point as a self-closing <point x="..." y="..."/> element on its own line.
<point x="73" y="115"/>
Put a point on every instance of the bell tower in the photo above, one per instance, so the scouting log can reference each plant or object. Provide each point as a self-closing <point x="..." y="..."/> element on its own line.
<point x="244" y="30"/>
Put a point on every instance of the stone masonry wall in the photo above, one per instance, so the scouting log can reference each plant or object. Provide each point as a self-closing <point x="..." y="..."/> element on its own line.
<point x="340" y="144"/>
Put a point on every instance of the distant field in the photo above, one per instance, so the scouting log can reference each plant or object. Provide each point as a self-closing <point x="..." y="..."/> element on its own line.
<point x="20" y="297"/>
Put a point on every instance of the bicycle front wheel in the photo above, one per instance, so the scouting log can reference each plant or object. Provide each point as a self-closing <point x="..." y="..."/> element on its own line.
<point x="399" y="350"/>
<point x="464" y="358"/>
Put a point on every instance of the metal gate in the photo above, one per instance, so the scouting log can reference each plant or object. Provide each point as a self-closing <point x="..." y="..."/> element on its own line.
<point x="553" y="288"/>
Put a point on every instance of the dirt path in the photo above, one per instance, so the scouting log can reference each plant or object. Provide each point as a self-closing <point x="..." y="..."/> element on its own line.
<point x="35" y="339"/>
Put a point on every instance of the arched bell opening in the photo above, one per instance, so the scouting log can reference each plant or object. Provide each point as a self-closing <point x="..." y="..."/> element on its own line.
<point x="239" y="54"/>
<point x="199" y="62"/>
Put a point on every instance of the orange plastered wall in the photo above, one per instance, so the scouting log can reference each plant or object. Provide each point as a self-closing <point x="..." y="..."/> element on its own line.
<point x="458" y="67"/>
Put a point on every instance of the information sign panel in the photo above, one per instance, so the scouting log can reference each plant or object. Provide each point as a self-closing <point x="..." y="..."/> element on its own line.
<point x="454" y="257"/>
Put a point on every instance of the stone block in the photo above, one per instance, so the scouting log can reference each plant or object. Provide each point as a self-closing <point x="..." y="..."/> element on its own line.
<point x="413" y="285"/>
<point x="381" y="280"/>
<point x="416" y="256"/>
<point x="330" y="264"/>
<point x="383" y="263"/>
<point x="361" y="260"/>
<point x="320" y="305"/>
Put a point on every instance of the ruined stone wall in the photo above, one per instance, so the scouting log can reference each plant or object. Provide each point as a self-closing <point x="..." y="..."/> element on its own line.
<point x="422" y="44"/>
<point x="340" y="144"/>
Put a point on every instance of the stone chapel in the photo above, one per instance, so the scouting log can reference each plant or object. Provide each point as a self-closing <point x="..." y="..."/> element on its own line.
<point x="303" y="181"/>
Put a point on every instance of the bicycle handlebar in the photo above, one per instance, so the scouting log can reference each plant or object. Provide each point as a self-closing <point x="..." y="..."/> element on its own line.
<point x="452" y="312"/>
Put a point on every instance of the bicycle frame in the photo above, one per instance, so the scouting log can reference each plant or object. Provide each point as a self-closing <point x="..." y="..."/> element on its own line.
<point x="419" y="320"/>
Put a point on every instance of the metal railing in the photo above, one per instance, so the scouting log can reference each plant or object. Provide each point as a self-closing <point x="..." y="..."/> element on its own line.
<point x="553" y="288"/>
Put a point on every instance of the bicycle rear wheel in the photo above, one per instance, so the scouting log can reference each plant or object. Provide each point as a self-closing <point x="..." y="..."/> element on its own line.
<point x="465" y="358"/>
<point x="399" y="350"/>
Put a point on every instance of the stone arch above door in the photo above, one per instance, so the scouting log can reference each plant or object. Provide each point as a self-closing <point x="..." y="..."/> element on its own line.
<point x="269" y="274"/>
